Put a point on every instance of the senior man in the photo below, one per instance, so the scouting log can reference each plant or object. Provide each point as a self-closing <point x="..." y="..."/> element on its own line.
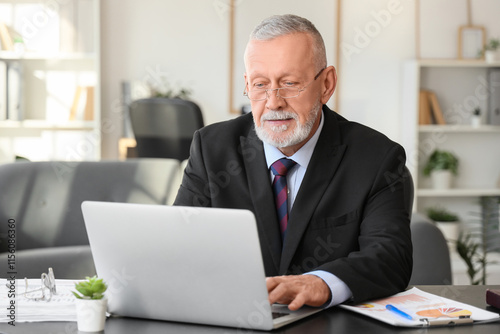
<point x="326" y="192"/>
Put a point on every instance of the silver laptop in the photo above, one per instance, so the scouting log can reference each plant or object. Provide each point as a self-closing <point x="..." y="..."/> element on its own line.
<point x="187" y="264"/>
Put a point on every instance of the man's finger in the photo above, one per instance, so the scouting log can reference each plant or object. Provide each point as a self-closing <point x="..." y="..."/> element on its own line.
<point x="279" y="294"/>
<point x="297" y="303"/>
<point x="271" y="283"/>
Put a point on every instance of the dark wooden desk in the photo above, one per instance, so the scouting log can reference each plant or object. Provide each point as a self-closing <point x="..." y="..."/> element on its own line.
<point x="333" y="320"/>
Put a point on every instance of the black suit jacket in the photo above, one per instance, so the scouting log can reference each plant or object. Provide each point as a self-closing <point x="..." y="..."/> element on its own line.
<point x="348" y="218"/>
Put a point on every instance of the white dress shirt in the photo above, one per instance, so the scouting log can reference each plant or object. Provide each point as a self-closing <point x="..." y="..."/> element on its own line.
<point x="340" y="291"/>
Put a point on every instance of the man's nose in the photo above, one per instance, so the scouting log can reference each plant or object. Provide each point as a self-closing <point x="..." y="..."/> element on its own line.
<point x="274" y="101"/>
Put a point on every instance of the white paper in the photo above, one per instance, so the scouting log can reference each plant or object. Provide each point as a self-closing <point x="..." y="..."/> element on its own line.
<point x="61" y="307"/>
<point x="420" y="305"/>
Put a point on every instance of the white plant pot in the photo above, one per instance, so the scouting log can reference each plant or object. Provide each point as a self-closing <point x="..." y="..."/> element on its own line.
<point x="475" y="121"/>
<point x="91" y="314"/>
<point x="441" y="179"/>
<point x="490" y="56"/>
<point x="451" y="231"/>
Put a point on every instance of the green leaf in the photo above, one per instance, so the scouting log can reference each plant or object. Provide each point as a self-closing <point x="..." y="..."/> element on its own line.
<point x="84" y="290"/>
<point x="77" y="295"/>
<point x="91" y="288"/>
<point x="441" y="214"/>
<point x="441" y="160"/>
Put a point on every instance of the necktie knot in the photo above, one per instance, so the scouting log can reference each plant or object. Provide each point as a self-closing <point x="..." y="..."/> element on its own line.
<point x="282" y="166"/>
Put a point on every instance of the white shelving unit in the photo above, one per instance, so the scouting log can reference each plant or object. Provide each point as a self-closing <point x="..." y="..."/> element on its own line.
<point x="61" y="54"/>
<point x="459" y="86"/>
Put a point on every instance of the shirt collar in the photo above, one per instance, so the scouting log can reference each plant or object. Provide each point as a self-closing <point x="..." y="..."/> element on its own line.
<point x="302" y="156"/>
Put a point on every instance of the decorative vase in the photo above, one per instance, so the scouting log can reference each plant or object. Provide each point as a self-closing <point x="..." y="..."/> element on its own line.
<point x="91" y="314"/>
<point x="451" y="231"/>
<point x="441" y="179"/>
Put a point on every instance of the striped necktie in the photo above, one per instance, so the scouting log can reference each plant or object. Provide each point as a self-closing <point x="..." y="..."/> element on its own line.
<point x="280" y="169"/>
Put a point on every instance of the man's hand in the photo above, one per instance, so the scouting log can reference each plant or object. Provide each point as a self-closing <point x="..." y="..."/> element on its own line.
<point x="297" y="290"/>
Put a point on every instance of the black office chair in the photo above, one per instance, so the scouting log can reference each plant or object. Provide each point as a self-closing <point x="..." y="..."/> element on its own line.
<point x="164" y="128"/>
<point x="431" y="257"/>
<point x="409" y="190"/>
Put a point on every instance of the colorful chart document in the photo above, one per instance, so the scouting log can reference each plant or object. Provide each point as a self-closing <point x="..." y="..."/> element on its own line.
<point x="416" y="308"/>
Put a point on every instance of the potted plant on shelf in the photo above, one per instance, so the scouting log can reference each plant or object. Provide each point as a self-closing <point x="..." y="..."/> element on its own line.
<point x="90" y="304"/>
<point x="476" y="117"/>
<point x="447" y="222"/>
<point x="490" y="50"/>
<point x="441" y="166"/>
<point x="162" y="88"/>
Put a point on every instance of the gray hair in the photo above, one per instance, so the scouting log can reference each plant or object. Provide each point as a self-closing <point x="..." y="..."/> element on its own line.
<point x="280" y="25"/>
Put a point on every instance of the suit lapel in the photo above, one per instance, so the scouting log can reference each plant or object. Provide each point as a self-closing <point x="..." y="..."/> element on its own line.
<point x="262" y="197"/>
<point x="322" y="167"/>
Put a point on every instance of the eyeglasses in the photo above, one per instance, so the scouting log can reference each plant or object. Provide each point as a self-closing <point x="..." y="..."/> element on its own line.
<point x="283" y="92"/>
<point x="48" y="281"/>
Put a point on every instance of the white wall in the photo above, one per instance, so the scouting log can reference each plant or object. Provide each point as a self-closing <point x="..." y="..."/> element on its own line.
<point x="189" y="40"/>
<point x="377" y="35"/>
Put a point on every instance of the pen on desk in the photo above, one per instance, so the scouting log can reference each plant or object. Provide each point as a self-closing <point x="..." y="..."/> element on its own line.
<point x="394" y="309"/>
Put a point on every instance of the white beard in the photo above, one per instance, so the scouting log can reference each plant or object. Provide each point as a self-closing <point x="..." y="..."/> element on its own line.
<point x="275" y="136"/>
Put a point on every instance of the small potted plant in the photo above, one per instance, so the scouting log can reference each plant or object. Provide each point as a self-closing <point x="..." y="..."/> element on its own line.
<point x="490" y="50"/>
<point x="162" y="88"/>
<point x="441" y="166"/>
<point x="447" y="222"/>
<point x="90" y="304"/>
<point x="476" y="117"/>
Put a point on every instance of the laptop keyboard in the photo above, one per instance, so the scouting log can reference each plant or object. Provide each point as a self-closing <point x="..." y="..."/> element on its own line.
<point x="279" y="315"/>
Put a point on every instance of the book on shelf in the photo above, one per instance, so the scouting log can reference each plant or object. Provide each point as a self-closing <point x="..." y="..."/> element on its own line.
<point x="14" y="91"/>
<point x="3" y="90"/>
<point x="10" y="39"/>
<point x="494" y="98"/>
<point x="424" y="113"/>
<point x="436" y="109"/>
<point x="82" y="108"/>
<point x="88" y="114"/>
<point x="6" y="38"/>
<point x="429" y="109"/>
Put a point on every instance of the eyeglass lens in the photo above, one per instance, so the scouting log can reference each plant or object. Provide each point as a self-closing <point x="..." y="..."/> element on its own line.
<point x="262" y="94"/>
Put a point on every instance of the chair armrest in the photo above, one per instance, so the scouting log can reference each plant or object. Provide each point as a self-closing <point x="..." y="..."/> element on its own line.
<point x="68" y="262"/>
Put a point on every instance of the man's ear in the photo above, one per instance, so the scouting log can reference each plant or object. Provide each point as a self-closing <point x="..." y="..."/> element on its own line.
<point x="329" y="83"/>
<point x="246" y="81"/>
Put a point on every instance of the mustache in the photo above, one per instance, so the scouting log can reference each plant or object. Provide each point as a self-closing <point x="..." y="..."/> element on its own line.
<point x="274" y="115"/>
